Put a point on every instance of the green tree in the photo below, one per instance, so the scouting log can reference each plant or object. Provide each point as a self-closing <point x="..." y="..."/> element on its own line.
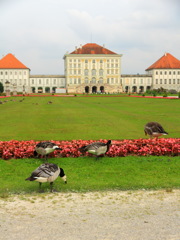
<point x="1" y="88"/>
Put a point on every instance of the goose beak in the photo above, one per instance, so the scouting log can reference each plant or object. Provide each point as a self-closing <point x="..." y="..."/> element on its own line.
<point x="64" y="178"/>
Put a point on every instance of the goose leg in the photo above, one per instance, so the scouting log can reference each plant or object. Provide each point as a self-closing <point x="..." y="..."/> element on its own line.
<point x="51" y="186"/>
<point x="46" y="158"/>
<point x="40" y="187"/>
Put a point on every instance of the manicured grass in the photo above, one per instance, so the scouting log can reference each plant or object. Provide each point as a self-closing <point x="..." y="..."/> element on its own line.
<point x="87" y="174"/>
<point x="85" y="118"/>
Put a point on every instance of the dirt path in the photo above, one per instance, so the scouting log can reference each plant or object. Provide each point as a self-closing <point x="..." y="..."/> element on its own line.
<point x="131" y="215"/>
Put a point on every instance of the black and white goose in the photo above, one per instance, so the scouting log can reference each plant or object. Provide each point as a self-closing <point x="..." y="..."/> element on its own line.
<point x="96" y="148"/>
<point x="154" y="129"/>
<point x="47" y="172"/>
<point x="45" y="148"/>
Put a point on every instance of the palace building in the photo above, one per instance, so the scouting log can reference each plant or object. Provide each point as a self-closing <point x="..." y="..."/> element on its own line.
<point x="91" y="68"/>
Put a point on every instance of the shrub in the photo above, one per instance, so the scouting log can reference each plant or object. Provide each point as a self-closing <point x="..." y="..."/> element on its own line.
<point x="119" y="148"/>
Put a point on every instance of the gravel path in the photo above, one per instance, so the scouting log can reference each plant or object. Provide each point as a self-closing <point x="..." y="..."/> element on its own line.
<point x="130" y="215"/>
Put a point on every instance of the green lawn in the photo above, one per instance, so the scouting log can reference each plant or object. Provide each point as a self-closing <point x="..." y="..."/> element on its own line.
<point x="85" y="118"/>
<point x="87" y="174"/>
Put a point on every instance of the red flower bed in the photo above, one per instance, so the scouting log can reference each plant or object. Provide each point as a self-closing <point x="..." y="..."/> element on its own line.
<point x="139" y="147"/>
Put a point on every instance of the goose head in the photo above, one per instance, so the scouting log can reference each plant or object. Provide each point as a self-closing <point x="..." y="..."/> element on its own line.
<point x="57" y="148"/>
<point x="62" y="175"/>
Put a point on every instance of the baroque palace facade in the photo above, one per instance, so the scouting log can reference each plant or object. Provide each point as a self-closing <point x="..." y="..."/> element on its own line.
<point x="91" y="68"/>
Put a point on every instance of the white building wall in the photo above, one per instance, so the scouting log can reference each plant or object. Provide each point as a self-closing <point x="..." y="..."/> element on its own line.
<point x="17" y="78"/>
<point x="47" y="83"/>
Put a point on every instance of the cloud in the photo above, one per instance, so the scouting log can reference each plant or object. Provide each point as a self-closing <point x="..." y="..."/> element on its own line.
<point x="43" y="30"/>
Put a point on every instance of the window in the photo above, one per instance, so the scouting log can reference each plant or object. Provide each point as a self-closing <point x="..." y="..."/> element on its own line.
<point x="54" y="81"/>
<point x="165" y="72"/>
<point x="47" y="81"/>
<point x="93" y="80"/>
<point x="156" y="81"/>
<point x="169" y="72"/>
<point x="160" y="81"/>
<point x="112" y="80"/>
<point x="86" y="61"/>
<point x="165" y="81"/>
<point x="156" y="72"/>
<point x="79" y="81"/>
<point x="101" y="61"/>
<point x="6" y="73"/>
<point x="1" y="73"/>
<point x="101" y="80"/>
<point x="93" y="61"/>
<point x="93" y="72"/>
<point x="160" y="72"/>
<point x="86" y="72"/>
<point x="75" y="81"/>
<point x="86" y="80"/>
<point x="169" y="81"/>
<point x="174" y="72"/>
<point x="134" y="81"/>
<point x="39" y="81"/>
<point x="32" y="81"/>
<point x="174" y="81"/>
<point x="100" y="72"/>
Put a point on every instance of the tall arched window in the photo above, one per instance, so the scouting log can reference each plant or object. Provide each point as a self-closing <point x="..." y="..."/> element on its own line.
<point x="93" y="80"/>
<point x="93" y="72"/>
<point x="86" y="72"/>
<point x="86" y="80"/>
<point x="100" y="72"/>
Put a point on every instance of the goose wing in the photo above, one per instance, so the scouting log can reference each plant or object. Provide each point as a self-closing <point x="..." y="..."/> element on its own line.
<point x="94" y="146"/>
<point x="45" y="145"/>
<point x="45" y="170"/>
<point x="154" y="127"/>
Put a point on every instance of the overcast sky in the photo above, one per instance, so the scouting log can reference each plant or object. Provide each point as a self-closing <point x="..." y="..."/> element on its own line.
<point x="40" y="32"/>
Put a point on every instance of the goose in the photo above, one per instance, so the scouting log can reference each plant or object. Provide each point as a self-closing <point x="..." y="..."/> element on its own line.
<point x="96" y="148"/>
<point x="154" y="129"/>
<point x="44" y="148"/>
<point x="47" y="172"/>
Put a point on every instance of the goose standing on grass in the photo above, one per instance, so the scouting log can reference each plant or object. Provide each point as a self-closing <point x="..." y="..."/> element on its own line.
<point x="47" y="172"/>
<point x="154" y="129"/>
<point x="96" y="148"/>
<point x="45" y="148"/>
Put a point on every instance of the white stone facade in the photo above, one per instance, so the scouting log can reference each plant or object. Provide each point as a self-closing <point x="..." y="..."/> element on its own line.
<point x="168" y="79"/>
<point x="18" y="79"/>
<point x="46" y="83"/>
<point x="90" y="73"/>
<point x="86" y="73"/>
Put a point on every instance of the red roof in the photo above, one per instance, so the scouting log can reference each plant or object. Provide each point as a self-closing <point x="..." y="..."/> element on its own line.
<point x="10" y="61"/>
<point x="165" y="62"/>
<point x="92" y="48"/>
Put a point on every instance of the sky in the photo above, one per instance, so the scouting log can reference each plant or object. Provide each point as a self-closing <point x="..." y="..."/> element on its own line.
<point x="40" y="32"/>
